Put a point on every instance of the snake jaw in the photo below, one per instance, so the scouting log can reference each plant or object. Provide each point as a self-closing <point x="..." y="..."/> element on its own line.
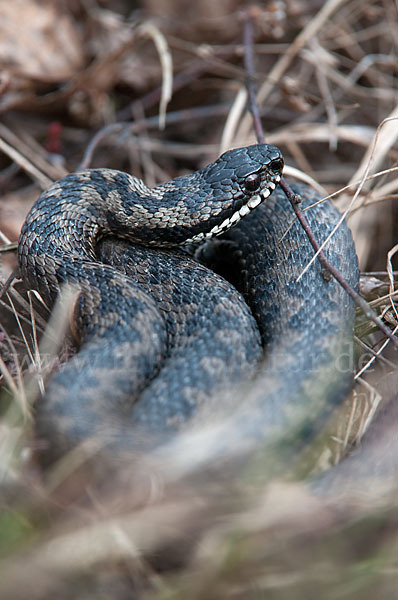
<point x="244" y="210"/>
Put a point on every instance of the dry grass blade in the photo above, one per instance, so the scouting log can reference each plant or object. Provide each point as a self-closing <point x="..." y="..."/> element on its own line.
<point x="26" y="165"/>
<point x="32" y="151"/>
<point x="5" y="240"/>
<point x="366" y="170"/>
<point x="10" y="247"/>
<point x="22" y="393"/>
<point x="386" y="137"/>
<point x="13" y="293"/>
<point x="167" y="68"/>
<point x="36" y="356"/>
<point x="233" y="118"/>
<point x="9" y="379"/>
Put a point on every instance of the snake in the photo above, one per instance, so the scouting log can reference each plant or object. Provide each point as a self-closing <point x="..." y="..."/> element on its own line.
<point x="184" y="293"/>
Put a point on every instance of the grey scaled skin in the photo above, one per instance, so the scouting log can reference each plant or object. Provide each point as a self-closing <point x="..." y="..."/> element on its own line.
<point x="305" y="320"/>
<point x="150" y="353"/>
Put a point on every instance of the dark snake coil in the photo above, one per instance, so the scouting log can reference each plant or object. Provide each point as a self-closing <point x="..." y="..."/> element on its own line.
<point x="160" y="332"/>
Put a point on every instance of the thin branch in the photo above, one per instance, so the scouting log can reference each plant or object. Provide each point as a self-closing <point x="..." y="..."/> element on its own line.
<point x="5" y="287"/>
<point x="25" y="164"/>
<point x="284" y="61"/>
<point x="359" y="301"/>
<point x="188" y="114"/>
<point x="293" y="198"/>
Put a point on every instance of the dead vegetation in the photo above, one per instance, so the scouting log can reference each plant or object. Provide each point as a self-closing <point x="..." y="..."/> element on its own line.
<point x="158" y="89"/>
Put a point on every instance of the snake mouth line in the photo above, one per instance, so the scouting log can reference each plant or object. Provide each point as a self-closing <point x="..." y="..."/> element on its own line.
<point x="237" y="216"/>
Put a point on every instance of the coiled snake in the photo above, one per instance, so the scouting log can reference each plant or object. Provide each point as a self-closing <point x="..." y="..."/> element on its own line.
<point x="160" y="332"/>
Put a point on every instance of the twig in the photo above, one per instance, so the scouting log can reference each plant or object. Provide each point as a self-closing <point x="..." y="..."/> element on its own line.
<point x="293" y="198"/>
<point x="136" y="126"/>
<point x="4" y="288"/>
<point x="359" y="301"/>
<point x="96" y="140"/>
<point x="207" y="62"/>
<point x="188" y="114"/>
<point x="287" y="57"/>
<point x="25" y="164"/>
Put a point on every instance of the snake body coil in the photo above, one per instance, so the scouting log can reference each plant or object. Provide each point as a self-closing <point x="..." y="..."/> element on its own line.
<point x="161" y="333"/>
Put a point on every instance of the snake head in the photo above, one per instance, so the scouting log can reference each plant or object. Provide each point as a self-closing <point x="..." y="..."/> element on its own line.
<point x="235" y="184"/>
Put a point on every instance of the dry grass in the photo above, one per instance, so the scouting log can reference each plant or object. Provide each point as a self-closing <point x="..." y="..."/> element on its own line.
<point x="327" y="81"/>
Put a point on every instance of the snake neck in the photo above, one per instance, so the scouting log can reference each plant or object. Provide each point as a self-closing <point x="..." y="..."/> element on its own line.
<point x="75" y="212"/>
<point x="69" y="219"/>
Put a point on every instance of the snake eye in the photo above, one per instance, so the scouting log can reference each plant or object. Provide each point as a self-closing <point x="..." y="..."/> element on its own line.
<point x="252" y="182"/>
<point x="277" y="165"/>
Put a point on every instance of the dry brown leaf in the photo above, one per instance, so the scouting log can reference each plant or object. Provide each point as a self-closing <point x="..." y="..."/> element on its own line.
<point x="13" y="209"/>
<point x="38" y="41"/>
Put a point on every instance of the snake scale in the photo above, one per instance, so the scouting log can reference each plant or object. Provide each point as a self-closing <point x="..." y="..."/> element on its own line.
<point x="163" y="328"/>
